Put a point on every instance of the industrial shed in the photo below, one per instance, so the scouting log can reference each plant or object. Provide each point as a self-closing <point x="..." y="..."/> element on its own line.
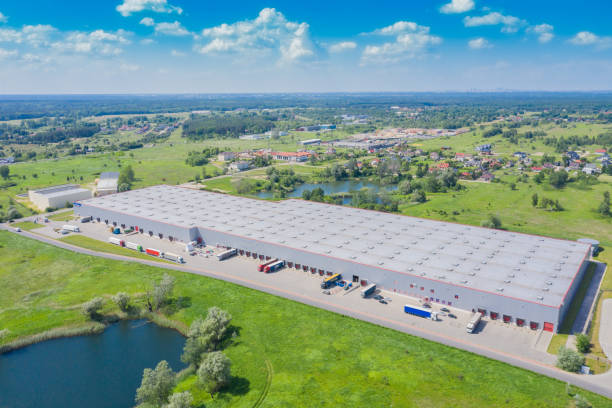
<point x="518" y="278"/>
<point x="57" y="196"/>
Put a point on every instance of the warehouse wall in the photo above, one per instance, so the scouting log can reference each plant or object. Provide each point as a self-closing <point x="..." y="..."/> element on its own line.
<point x="43" y="201"/>
<point x="468" y="298"/>
<point x="573" y="288"/>
<point x="177" y="232"/>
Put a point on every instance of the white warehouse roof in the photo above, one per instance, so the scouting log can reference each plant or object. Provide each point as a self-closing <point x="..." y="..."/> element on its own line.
<point x="526" y="267"/>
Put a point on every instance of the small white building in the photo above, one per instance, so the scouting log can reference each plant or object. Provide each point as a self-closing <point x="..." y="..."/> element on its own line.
<point x="225" y="156"/>
<point x="58" y="196"/>
<point x="107" y="183"/>
<point x="239" y="166"/>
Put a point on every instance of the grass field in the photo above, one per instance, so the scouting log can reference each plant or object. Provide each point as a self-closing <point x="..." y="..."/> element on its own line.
<point x="26" y="225"/>
<point x="96" y="245"/>
<point x="62" y="216"/>
<point x="303" y="356"/>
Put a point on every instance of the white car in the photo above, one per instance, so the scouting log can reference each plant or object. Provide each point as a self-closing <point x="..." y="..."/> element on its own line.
<point x="17" y="229"/>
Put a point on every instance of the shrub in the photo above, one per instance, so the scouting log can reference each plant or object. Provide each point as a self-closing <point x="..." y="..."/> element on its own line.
<point x="214" y="372"/>
<point x="569" y="360"/>
<point x="156" y="385"/>
<point x="583" y="343"/>
<point x="91" y="308"/>
<point x="122" y="300"/>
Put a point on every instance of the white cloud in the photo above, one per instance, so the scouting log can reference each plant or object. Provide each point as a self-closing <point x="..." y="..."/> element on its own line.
<point x="129" y="67"/>
<point x="411" y="40"/>
<point x="174" y="29"/>
<point x="267" y="34"/>
<point x="510" y="24"/>
<point x="147" y="21"/>
<point x="479" y="43"/>
<point x="159" y="6"/>
<point x="457" y="6"/>
<point x="588" y="38"/>
<point x="98" y="42"/>
<point x="544" y="32"/>
<point x="176" y="53"/>
<point x="147" y="41"/>
<point x="342" y="46"/>
<point x="5" y="54"/>
<point x="35" y="35"/>
<point x="3" y="18"/>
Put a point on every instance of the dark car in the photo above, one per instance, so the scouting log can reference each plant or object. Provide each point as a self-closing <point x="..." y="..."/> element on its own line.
<point x="383" y="301"/>
<point x="426" y="305"/>
<point x="445" y="310"/>
<point x="378" y="297"/>
<point x="452" y="316"/>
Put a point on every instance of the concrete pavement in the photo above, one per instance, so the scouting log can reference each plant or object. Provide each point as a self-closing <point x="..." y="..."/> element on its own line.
<point x="370" y="312"/>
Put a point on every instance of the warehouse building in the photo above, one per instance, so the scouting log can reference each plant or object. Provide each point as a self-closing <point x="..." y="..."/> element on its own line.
<point x="58" y="196"/>
<point x="107" y="183"/>
<point x="520" y="279"/>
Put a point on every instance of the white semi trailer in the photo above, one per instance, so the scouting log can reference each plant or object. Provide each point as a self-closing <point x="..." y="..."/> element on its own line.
<point x="473" y="323"/>
<point x="72" y="228"/>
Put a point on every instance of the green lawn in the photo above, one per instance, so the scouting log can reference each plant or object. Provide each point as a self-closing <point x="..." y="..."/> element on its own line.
<point x="63" y="216"/>
<point x="26" y="225"/>
<point x="315" y="358"/>
<point x="96" y="245"/>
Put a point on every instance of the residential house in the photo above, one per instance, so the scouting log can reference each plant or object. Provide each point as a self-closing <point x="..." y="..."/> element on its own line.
<point x="591" y="168"/>
<point x="239" y="165"/>
<point x="226" y="156"/>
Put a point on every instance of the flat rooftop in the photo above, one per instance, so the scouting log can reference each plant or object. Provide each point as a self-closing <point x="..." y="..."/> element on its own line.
<point x="522" y="266"/>
<point x="58" y="191"/>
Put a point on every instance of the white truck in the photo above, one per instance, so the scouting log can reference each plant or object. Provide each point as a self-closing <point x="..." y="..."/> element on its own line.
<point x="72" y="228"/>
<point x="173" y="257"/>
<point x="473" y="323"/>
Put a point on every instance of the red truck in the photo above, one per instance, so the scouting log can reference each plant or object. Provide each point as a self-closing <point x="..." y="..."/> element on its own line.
<point x="262" y="266"/>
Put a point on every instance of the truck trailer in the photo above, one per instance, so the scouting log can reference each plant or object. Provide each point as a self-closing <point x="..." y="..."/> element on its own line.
<point x="421" y="312"/>
<point x="368" y="290"/>
<point x="473" y="323"/>
<point x="116" y="241"/>
<point x="262" y="266"/>
<point x="274" y="266"/>
<point x="154" y="252"/>
<point x="227" y="254"/>
<point x="173" y="257"/>
<point x="86" y="219"/>
<point x="72" y="228"/>
<point x="134" y="246"/>
<point x="330" y="281"/>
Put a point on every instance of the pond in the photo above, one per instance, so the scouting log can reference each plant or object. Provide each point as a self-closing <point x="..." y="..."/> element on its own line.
<point x="95" y="371"/>
<point x="332" y="188"/>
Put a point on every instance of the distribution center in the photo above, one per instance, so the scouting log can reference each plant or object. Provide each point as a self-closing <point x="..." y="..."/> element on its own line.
<point x="518" y="278"/>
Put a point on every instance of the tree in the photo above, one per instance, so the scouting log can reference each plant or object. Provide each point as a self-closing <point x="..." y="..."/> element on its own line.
<point x="558" y="179"/>
<point x="163" y="290"/>
<point x="180" y="400"/>
<point x="214" y="372"/>
<point x="604" y="206"/>
<point x="569" y="360"/>
<point x="156" y="385"/>
<point x="122" y="300"/>
<point x="5" y="171"/>
<point x="534" y="199"/>
<point x="492" y="222"/>
<point x="126" y="178"/>
<point x="91" y="308"/>
<point x="205" y="335"/>
<point x="583" y="343"/>
<point x="581" y="402"/>
<point x="405" y="187"/>
<point x="419" y="196"/>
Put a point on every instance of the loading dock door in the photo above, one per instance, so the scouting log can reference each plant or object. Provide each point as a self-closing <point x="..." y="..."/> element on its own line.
<point x="482" y="311"/>
<point x="548" y="326"/>
<point x="355" y="278"/>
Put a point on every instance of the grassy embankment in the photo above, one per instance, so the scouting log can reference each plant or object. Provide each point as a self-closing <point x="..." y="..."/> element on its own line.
<point x="96" y="245"/>
<point x="317" y="357"/>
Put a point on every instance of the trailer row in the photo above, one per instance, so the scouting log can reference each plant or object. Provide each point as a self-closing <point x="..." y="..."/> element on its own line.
<point x="149" y="251"/>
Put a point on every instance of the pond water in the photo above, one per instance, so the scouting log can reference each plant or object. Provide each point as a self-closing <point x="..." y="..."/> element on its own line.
<point x="332" y="188"/>
<point x="95" y="371"/>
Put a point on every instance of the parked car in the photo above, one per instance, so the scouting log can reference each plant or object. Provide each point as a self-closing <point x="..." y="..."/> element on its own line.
<point x="383" y="301"/>
<point x="427" y="305"/>
<point x="452" y="316"/>
<point x="444" y="309"/>
<point x="378" y="297"/>
<point x="17" y="229"/>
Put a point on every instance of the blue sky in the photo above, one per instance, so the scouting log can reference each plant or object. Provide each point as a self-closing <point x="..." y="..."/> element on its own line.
<point x="189" y="46"/>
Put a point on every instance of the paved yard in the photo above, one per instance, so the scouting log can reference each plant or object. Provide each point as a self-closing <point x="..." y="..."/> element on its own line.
<point x="605" y="327"/>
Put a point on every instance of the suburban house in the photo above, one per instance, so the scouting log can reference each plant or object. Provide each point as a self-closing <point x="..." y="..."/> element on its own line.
<point x="291" y="156"/>
<point x="226" y="156"/>
<point x="239" y="166"/>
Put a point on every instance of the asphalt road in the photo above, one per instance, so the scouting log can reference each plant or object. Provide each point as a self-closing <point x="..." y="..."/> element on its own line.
<point x="600" y="384"/>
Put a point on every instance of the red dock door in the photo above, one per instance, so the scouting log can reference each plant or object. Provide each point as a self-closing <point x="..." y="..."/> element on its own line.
<point x="548" y="326"/>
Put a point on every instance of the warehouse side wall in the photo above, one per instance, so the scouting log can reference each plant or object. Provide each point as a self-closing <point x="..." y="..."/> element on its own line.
<point x="567" y="301"/>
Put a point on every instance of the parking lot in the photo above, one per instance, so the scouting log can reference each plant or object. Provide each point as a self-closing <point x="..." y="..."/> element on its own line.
<point x="298" y="284"/>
